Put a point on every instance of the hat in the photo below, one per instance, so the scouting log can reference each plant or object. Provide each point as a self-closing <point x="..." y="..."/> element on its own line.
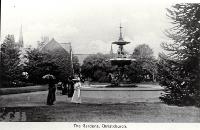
<point x="76" y="79"/>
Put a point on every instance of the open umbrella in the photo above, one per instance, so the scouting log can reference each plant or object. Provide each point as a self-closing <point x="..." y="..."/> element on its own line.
<point x="48" y="76"/>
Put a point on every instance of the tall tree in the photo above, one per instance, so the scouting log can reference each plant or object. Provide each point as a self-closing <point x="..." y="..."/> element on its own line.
<point x="179" y="69"/>
<point x="10" y="71"/>
<point x="143" y="51"/>
<point x="145" y="64"/>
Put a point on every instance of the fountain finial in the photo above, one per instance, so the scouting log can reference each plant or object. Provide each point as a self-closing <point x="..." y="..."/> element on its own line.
<point x="120" y="35"/>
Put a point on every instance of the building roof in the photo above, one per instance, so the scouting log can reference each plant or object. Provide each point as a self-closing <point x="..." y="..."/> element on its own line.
<point x="66" y="46"/>
<point x="53" y="44"/>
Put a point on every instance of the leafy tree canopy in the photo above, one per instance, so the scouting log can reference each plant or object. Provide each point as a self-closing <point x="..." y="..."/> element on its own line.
<point x="56" y="62"/>
<point x="96" y="67"/>
<point x="144" y="65"/>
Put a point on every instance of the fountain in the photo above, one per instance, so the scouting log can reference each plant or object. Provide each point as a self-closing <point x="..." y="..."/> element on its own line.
<point x="120" y="59"/>
<point x="121" y="91"/>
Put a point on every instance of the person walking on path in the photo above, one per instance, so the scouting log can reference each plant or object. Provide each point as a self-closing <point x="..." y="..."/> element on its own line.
<point x="70" y="87"/>
<point x="65" y="87"/>
<point x="51" y="98"/>
<point x="76" y="98"/>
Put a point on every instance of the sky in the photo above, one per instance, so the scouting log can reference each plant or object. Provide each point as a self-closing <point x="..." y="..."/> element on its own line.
<point x="90" y="25"/>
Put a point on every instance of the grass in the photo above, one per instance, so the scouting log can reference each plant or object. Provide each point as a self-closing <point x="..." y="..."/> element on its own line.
<point x="123" y="113"/>
<point x="6" y="91"/>
<point x="33" y="107"/>
<point x="27" y="89"/>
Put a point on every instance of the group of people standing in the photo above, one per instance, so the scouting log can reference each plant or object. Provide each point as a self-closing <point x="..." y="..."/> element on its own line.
<point x="71" y="88"/>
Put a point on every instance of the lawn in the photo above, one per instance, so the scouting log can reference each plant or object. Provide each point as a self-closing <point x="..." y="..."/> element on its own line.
<point x="32" y="107"/>
<point x="123" y="113"/>
<point x="28" y="89"/>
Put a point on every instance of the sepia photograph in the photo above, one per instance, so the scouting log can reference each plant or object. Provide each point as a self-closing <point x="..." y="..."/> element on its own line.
<point x="100" y="63"/>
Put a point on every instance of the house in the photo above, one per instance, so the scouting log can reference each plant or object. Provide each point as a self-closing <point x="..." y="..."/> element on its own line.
<point x="53" y="45"/>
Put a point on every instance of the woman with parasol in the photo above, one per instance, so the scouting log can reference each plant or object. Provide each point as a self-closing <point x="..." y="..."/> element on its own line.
<point x="52" y="88"/>
<point x="76" y="98"/>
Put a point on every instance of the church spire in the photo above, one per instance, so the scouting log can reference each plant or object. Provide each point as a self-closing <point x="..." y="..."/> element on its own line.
<point x="21" y="41"/>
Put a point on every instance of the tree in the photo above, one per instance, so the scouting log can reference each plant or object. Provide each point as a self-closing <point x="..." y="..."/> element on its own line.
<point x="10" y="71"/>
<point x="39" y="65"/>
<point x="135" y="72"/>
<point x="62" y="59"/>
<point x="44" y="40"/>
<point x="143" y="51"/>
<point x="179" y="69"/>
<point x="145" y="64"/>
<point x="56" y="62"/>
<point x="76" y="65"/>
<point x="96" y="67"/>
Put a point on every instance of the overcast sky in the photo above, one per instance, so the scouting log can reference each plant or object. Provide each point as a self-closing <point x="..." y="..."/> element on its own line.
<point x="90" y="25"/>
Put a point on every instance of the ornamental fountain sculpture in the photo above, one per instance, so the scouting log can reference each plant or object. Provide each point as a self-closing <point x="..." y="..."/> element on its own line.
<point x="120" y="59"/>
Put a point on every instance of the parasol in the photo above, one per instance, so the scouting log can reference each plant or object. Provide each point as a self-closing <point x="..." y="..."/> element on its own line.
<point x="48" y="76"/>
<point x="76" y="79"/>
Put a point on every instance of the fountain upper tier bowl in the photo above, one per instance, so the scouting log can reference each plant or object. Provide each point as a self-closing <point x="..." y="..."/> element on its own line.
<point x="120" y="42"/>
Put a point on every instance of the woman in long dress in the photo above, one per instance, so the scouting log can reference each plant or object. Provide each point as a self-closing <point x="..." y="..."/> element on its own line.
<point x="76" y="98"/>
<point x="70" y="88"/>
<point x="51" y="95"/>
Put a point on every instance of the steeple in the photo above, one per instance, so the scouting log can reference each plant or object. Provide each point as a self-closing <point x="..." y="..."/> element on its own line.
<point x="21" y="41"/>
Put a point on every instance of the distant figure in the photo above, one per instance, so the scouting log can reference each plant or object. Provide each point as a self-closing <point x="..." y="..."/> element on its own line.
<point x="70" y="87"/>
<point x="76" y="98"/>
<point x="65" y="87"/>
<point x="51" y="95"/>
<point x="110" y="77"/>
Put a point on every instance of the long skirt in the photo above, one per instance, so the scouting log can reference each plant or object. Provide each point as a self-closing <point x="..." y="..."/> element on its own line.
<point x="70" y="90"/>
<point x="76" y="98"/>
<point x="51" y="96"/>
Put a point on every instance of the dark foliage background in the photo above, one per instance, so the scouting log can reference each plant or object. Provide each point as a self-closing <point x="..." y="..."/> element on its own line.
<point x="38" y="64"/>
<point x="97" y="67"/>
<point x="56" y="62"/>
